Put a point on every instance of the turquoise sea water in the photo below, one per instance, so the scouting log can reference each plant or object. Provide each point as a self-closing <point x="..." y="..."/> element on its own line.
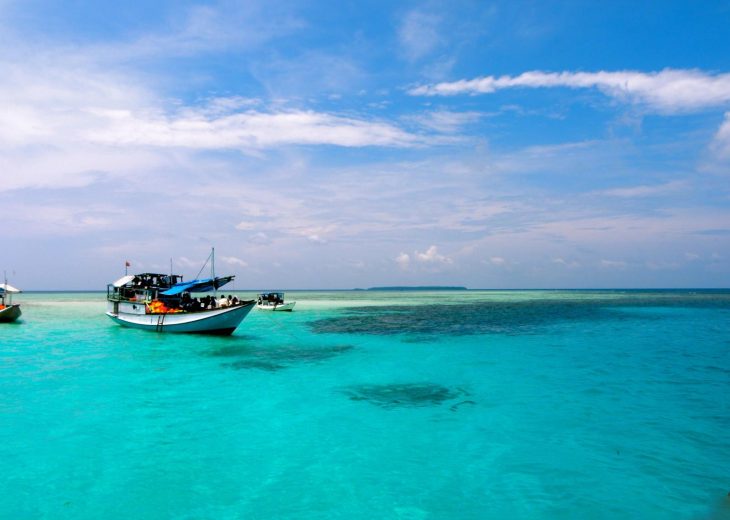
<point x="360" y="405"/>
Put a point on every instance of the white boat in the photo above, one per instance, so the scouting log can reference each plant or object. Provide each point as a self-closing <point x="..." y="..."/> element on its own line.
<point x="164" y="303"/>
<point x="274" y="301"/>
<point x="8" y="310"/>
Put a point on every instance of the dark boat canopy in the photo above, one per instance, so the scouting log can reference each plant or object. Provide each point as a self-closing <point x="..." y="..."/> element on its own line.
<point x="202" y="285"/>
<point x="148" y="280"/>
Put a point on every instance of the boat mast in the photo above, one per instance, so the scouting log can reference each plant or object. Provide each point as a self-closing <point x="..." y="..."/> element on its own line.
<point x="212" y="272"/>
<point x="9" y="296"/>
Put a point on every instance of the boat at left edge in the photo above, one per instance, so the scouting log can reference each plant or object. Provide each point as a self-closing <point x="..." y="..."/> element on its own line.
<point x="165" y="303"/>
<point x="9" y="311"/>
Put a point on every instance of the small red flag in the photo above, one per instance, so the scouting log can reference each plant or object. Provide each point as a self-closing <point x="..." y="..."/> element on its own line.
<point x="127" y="264"/>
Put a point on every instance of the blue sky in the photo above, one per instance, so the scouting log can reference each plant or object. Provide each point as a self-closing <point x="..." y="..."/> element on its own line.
<point x="356" y="144"/>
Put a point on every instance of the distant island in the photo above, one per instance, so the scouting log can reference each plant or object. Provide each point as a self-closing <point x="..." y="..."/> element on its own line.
<point x="418" y="288"/>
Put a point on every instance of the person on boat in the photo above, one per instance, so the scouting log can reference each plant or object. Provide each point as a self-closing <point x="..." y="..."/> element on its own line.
<point x="223" y="301"/>
<point x="233" y="300"/>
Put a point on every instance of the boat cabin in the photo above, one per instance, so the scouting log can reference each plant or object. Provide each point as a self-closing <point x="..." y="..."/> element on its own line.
<point x="141" y="287"/>
<point x="270" y="298"/>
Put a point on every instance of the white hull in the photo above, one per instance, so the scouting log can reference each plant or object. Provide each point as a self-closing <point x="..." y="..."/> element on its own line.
<point x="217" y="321"/>
<point x="288" y="306"/>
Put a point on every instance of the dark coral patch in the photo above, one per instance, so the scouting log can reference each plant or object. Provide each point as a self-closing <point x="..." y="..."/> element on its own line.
<point x="257" y="364"/>
<point x="403" y="395"/>
<point x="296" y="354"/>
<point x="277" y="358"/>
<point x="492" y="317"/>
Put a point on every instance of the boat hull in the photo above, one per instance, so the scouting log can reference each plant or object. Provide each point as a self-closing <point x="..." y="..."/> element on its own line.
<point x="10" y="313"/>
<point x="287" y="307"/>
<point x="217" y="321"/>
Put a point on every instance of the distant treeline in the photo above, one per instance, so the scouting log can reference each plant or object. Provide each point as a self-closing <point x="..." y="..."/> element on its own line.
<point x="418" y="288"/>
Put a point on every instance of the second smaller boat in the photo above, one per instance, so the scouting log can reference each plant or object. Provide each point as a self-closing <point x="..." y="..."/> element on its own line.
<point x="274" y="301"/>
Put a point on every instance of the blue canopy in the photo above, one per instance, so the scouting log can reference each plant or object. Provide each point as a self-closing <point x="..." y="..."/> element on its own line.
<point x="202" y="285"/>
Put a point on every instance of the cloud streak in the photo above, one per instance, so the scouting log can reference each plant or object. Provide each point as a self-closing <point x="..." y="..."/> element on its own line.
<point x="419" y="34"/>
<point x="669" y="90"/>
<point x="246" y="130"/>
<point x="721" y="142"/>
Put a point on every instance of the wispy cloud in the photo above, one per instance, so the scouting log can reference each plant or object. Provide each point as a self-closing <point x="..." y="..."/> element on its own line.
<point x="645" y="190"/>
<point x="566" y="263"/>
<point x="65" y="122"/>
<point x="201" y="29"/>
<point x="613" y="264"/>
<point x="446" y="121"/>
<point x="102" y="107"/>
<point x="670" y="90"/>
<point x="247" y="130"/>
<point x="419" y="33"/>
<point x="721" y="141"/>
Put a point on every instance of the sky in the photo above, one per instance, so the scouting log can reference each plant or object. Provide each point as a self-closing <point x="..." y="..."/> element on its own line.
<point x="335" y="145"/>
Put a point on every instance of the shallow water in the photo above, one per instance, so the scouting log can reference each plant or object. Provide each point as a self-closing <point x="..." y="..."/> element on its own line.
<point x="478" y="404"/>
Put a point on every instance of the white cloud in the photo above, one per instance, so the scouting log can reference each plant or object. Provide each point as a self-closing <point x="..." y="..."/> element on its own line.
<point x="64" y="120"/>
<point x="232" y="260"/>
<point x="403" y="260"/>
<point x="497" y="260"/>
<point x="242" y="130"/>
<point x="670" y="90"/>
<point x="432" y="256"/>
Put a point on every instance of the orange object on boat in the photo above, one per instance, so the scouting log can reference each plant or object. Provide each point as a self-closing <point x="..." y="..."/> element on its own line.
<point x="158" y="307"/>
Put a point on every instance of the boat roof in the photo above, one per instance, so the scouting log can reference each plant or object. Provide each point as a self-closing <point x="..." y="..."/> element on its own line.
<point x="149" y="280"/>
<point x="6" y="288"/>
<point x="202" y="285"/>
<point x="124" y="280"/>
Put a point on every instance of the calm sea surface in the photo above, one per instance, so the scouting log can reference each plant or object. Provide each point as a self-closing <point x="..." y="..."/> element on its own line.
<point x="363" y="405"/>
